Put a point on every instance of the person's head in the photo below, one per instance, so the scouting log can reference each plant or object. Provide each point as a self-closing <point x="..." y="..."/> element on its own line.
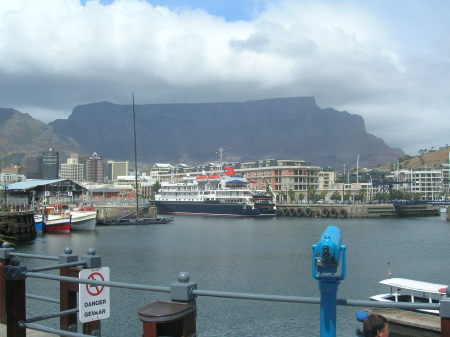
<point x="375" y="326"/>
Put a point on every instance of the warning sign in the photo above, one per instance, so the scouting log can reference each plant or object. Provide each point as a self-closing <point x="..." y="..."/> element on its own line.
<point x="93" y="299"/>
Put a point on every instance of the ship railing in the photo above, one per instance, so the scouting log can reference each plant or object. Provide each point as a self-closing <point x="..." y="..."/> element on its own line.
<point x="183" y="292"/>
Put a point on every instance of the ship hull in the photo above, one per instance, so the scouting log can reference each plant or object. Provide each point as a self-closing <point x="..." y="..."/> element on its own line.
<point x="205" y="208"/>
<point x="83" y="221"/>
<point x="57" y="225"/>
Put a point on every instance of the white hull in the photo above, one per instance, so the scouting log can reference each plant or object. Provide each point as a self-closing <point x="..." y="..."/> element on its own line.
<point x="84" y="221"/>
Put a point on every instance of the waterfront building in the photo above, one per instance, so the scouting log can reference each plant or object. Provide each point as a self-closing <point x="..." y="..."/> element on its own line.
<point x="426" y="182"/>
<point x="290" y="180"/>
<point x="116" y="169"/>
<point x="327" y="179"/>
<point x="72" y="170"/>
<point x="7" y="177"/>
<point x="144" y="183"/>
<point x="94" y="168"/>
<point x="13" y="169"/>
<point x="50" y="164"/>
<point x="37" y="190"/>
<point x="445" y="187"/>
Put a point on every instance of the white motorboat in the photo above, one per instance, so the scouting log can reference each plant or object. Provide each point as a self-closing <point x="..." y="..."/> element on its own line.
<point x="411" y="291"/>
<point x="83" y="219"/>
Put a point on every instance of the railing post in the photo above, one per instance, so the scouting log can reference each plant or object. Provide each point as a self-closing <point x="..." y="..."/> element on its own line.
<point x="4" y="260"/>
<point x="181" y="291"/>
<point x="15" y="298"/>
<point x="92" y="261"/>
<point x="68" y="292"/>
<point x="444" y="312"/>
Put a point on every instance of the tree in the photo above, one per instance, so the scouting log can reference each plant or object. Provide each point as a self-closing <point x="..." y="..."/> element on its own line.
<point x="269" y="190"/>
<point x="347" y="195"/>
<point x="156" y="187"/>
<point x="361" y="194"/>
<point x="291" y="195"/>
<point x="282" y="194"/>
<point x="301" y="197"/>
<point x="336" y="196"/>
<point x="322" y="195"/>
<point x="312" y="194"/>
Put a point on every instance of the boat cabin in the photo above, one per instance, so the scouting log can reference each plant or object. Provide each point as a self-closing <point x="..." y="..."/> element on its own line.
<point x="411" y="291"/>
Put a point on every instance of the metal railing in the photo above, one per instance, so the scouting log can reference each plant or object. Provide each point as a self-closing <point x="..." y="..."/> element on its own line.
<point x="184" y="291"/>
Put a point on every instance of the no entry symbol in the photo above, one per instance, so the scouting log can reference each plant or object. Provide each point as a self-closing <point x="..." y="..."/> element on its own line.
<point x="94" y="289"/>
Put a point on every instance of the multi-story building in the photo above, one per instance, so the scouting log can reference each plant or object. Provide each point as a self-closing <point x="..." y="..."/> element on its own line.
<point x="50" y="164"/>
<point x="327" y="179"/>
<point x="445" y="187"/>
<point x="288" y="179"/>
<point x="426" y="182"/>
<point x="94" y="168"/>
<point x="72" y="170"/>
<point x="13" y="169"/>
<point x="9" y="178"/>
<point x="116" y="169"/>
<point x="33" y="169"/>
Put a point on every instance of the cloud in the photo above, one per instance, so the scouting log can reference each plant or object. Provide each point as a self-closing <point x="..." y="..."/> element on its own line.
<point x="56" y="54"/>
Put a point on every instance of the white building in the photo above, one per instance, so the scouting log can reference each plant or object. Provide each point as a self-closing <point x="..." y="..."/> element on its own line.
<point x="426" y="182"/>
<point x="116" y="169"/>
<point x="72" y="169"/>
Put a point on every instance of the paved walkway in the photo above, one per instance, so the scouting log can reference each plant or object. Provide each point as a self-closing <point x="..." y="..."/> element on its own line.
<point x="30" y="333"/>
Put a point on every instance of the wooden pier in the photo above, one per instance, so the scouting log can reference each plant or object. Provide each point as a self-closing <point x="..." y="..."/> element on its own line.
<point x="410" y="323"/>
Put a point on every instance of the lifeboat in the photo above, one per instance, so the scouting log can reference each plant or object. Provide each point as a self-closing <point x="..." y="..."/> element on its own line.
<point x="202" y="179"/>
<point x="214" y="177"/>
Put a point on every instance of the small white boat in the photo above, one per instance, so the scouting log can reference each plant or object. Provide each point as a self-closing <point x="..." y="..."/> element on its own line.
<point x="411" y="291"/>
<point x="443" y="209"/>
<point x="83" y="219"/>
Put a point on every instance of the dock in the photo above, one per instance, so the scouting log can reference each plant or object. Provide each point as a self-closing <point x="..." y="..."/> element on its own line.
<point x="30" y="333"/>
<point x="410" y="323"/>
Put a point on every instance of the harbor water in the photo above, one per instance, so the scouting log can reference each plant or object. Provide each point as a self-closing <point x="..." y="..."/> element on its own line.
<point x="269" y="255"/>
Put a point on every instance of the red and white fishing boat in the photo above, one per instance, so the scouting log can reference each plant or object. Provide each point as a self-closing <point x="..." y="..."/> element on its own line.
<point x="56" y="219"/>
<point x="83" y="218"/>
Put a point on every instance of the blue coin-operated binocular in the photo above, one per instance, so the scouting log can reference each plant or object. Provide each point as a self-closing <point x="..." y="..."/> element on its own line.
<point x="327" y="254"/>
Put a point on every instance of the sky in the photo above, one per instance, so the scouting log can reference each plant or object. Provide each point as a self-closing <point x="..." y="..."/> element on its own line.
<point x="387" y="61"/>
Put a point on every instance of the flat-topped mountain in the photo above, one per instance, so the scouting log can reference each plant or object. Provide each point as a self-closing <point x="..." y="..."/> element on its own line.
<point x="291" y="128"/>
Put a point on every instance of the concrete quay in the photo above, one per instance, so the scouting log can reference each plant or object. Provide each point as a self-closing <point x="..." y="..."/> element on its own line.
<point x="355" y="210"/>
<point x="112" y="212"/>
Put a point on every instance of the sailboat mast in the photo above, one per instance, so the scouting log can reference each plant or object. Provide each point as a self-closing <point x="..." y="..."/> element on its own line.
<point x="135" y="159"/>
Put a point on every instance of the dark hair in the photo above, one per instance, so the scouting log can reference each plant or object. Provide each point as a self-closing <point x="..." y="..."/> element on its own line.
<point x="372" y="324"/>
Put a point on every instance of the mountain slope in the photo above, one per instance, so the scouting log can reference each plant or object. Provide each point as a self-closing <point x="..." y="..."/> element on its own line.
<point x="272" y="128"/>
<point x="20" y="133"/>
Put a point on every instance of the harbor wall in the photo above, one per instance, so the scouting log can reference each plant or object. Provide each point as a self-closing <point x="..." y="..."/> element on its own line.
<point x="116" y="212"/>
<point x="355" y="211"/>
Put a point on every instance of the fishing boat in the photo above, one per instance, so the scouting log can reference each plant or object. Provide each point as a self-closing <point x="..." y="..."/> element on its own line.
<point x="219" y="194"/>
<point x="412" y="291"/>
<point x="56" y="219"/>
<point x="38" y="223"/>
<point x="83" y="218"/>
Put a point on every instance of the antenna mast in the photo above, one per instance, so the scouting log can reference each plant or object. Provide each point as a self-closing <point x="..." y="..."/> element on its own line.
<point x="220" y="152"/>
<point x="135" y="159"/>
